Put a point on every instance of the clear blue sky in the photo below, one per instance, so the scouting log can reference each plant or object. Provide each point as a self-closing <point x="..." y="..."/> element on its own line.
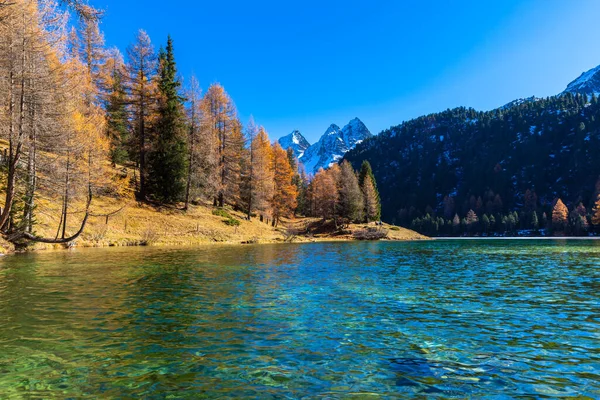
<point x="306" y="64"/>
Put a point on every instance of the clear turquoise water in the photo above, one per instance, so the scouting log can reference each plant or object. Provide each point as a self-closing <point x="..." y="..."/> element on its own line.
<point x="447" y="319"/>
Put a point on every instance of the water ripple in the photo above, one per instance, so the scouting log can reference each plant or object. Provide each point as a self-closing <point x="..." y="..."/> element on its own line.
<point x="444" y="319"/>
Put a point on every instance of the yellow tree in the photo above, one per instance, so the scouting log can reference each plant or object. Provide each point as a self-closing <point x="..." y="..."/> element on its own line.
<point x="560" y="215"/>
<point x="233" y="159"/>
<point x="194" y="122"/>
<point x="221" y="124"/>
<point x="262" y="167"/>
<point x="46" y="121"/>
<point x="596" y="212"/>
<point x="285" y="192"/>
<point x="325" y="194"/>
<point x="351" y="207"/>
<point x="371" y="199"/>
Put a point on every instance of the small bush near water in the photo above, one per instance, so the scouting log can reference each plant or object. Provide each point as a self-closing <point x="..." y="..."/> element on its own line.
<point x="371" y="234"/>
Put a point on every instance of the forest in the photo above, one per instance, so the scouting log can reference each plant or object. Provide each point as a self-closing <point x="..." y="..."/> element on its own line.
<point x="81" y="120"/>
<point x="528" y="168"/>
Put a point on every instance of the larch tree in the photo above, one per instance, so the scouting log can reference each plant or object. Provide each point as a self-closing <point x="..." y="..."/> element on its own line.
<point x="167" y="154"/>
<point x="221" y="122"/>
<point x="325" y="194"/>
<point x="194" y="128"/>
<point x="140" y="86"/>
<point x="262" y="166"/>
<point x="248" y="178"/>
<point x="596" y="213"/>
<point x="50" y="127"/>
<point x="88" y="43"/>
<point x="560" y="216"/>
<point x="233" y="161"/>
<point x="472" y="221"/>
<point x="351" y="202"/>
<point x="371" y="199"/>
<point x="285" y="192"/>
<point x="368" y="184"/>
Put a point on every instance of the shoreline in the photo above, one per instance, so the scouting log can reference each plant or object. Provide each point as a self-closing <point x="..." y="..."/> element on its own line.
<point x="521" y="238"/>
<point x="167" y="245"/>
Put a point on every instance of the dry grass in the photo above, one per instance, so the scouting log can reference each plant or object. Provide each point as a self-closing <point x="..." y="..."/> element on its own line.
<point x="131" y="223"/>
<point x="142" y="224"/>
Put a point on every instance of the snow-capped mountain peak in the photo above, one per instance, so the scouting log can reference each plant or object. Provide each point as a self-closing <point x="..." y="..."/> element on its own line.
<point x="333" y="145"/>
<point x="588" y="83"/>
<point x="296" y="142"/>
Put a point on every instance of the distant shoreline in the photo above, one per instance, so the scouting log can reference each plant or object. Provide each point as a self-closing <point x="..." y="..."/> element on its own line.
<point x="521" y="238"/>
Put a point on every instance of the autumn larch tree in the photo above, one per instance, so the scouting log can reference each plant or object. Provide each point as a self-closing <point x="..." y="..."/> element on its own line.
<point x="234" y="156"/>
<point x="194" y="126"/>
<point x="262" y="166"/>
<point x="141" y="71"/>
<point x="351" y="199"/>
<point x="325" y="194"/>
<point x="560" y="216"/>
<point x="49" y="126"/>
<point x="221" y="118"/>
<point x="248" y="176"/>
<point x="285" y="192"/>
<point x="367" y="182"/>
<point x="596" y="213"/>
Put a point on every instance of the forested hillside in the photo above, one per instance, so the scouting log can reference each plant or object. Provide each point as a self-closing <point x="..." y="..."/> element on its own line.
<point x="80" y="121"/>
<point x="463" y="171"/>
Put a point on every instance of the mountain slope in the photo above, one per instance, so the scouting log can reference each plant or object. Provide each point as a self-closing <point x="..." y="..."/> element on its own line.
<point x="296" y="142"/>
<point x="448" y="163"/>
<point x="333" y="145"/>
<point x="588" y="83"/>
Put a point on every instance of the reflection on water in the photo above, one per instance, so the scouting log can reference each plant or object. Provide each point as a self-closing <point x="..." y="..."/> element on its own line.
<point x="438" y="319"/>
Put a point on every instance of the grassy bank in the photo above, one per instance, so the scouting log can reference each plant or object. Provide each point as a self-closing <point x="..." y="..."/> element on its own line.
<point x="126" y="222"/>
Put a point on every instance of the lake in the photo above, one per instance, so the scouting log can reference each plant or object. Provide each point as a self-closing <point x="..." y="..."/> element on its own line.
<point x="432" y="319"/>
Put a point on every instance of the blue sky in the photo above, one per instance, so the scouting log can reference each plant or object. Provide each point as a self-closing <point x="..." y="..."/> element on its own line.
<point x="306" y="64"/>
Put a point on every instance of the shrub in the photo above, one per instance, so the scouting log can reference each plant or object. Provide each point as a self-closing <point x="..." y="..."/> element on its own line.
<point x="149" y="237"/>
<point x="232" y="222"/>
<point x="371" y="234"/>
<point x="219" y="212"/>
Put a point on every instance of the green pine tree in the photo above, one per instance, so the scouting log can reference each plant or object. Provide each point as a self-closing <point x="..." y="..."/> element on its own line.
<point x="116" y="120"/>
<point x="167" y="158"/>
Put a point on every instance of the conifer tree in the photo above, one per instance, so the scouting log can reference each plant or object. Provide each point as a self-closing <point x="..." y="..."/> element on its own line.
<point x="351" y="200"/>
<point x="596" y="213"/>
<point x="116" y="112"/>
<point x="221" y="119"/>
<point x="325" y="194"/>
<point x="194" y="127"/>
<point x="560" y="215"/>
<point x="472" y="221"/>
<point x="141" y="71"/>
<point x="262" y="166"/>
<point x="89" y="45"/>
<point x="534" y="221"/>
<point x="248" y="178"/>
<point x="285" y="192"/>
<point x="372" y="201"/>
<point x="456" y="224"/>
<point x="234" y="154"/>
<point x="486" y="223"/>
<point x="167" y="158"/>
